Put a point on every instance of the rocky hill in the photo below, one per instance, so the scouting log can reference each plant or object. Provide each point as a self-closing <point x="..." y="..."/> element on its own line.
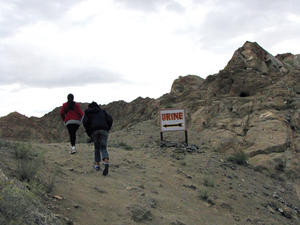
<point x="252" y="105"/>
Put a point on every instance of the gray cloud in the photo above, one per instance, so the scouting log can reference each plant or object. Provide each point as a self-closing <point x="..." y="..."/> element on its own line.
<point x="15" y="14"/>
<point x="59" y="77"/>
<point x="228" y="20"/>
<point x="35" y="69"/>
<point x="151" y="5"/>
<point x="267" y="22"/>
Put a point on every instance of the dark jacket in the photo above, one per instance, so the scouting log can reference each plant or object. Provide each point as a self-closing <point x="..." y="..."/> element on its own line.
<point x="96" y="119"/>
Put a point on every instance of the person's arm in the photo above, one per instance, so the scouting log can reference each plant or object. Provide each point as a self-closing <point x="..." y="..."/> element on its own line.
<point x="85" y="122"/>
<point x="80" y="111"/>
<point x="62" y="112"/>
<point x="109" y="120"/>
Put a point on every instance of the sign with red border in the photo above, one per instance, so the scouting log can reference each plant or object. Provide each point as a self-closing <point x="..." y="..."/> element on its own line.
<point x="172" y="120"/>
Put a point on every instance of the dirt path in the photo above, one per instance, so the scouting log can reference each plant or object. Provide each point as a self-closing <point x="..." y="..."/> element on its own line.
<point x="138" y="180"/>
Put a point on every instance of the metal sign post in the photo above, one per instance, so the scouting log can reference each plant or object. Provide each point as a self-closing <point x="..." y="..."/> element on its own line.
<point x="172" y="120"/>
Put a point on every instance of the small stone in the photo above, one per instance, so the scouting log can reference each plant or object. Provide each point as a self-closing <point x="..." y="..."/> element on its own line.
<point x="57" y="197"/>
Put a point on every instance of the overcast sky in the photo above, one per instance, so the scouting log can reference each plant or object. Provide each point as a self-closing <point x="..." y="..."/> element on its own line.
<point x="112" y="50"/>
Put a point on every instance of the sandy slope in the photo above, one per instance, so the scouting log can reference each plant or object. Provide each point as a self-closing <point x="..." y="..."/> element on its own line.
<point x="153" y="185"/>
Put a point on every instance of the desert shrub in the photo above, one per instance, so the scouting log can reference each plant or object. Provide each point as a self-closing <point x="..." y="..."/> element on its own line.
<point x="125" y="146"/>
<point x="28" y="162"/>
<point x="204" y="196"/>
<point x="208" y="182"/>
<point x="238" y="158"/>
<point x="27" y="169"/>
<point x="128" y="147"/>
<point x="50" y="185"/>
<point x="24" y="151"/>
<point x="13" y="204"/>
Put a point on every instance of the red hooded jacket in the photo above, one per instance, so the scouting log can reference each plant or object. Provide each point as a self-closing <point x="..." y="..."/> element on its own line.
<point x="75" y="114"/>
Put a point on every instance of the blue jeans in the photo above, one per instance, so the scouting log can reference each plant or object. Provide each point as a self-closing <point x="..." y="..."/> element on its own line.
<point x="99" y="138"/>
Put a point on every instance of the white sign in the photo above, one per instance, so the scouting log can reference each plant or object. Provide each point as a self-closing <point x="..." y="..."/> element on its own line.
<point x="172" y="119"/>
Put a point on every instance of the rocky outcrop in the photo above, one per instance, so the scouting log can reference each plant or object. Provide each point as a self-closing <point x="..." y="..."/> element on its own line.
<point x="187" y="82"/>
<point x="254" y="108"/>
<point x="253" y="57"/>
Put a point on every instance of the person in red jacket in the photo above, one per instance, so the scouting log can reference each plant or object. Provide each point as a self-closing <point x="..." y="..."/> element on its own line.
<point x="71" y="114"/>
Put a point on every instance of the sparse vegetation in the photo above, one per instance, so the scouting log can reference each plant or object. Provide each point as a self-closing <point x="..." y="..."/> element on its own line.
<point x="208" y="182"/>
<point x="28" y="161"/>
<point x="27" y="169"/>
<point x="239" y="158"/>
<point x="204" y="196"/>
<point x="128" y="148"/>
<point x="24" y="151"/>
<point x="14" y="203"/>
<point x="168" y="106"/>
<point x="50" y="185"/>
<point x="125" y="146"/>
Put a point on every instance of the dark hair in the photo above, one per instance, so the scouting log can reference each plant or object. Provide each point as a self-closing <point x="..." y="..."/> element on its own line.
<point x="71" y="102"/>
<point x="93" y="105"/>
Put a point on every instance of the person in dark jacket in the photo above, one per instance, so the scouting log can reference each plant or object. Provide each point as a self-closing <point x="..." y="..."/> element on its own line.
<point x="71" y="114"/>
<point x="97" y="123"/>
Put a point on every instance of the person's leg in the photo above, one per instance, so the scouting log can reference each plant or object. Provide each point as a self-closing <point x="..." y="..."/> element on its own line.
<point x="103" y="142"/>
<point x="103" y="150"/>
<point x="72" y="128"/>
<point x="96" y="140"/>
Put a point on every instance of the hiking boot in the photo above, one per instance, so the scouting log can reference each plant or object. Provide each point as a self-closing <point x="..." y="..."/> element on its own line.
<point x="106" y="166"/>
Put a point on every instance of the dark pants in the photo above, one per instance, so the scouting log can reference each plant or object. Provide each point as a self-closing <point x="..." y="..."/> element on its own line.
<point x="100" y="139"/>
<point x="72" y="128"/>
